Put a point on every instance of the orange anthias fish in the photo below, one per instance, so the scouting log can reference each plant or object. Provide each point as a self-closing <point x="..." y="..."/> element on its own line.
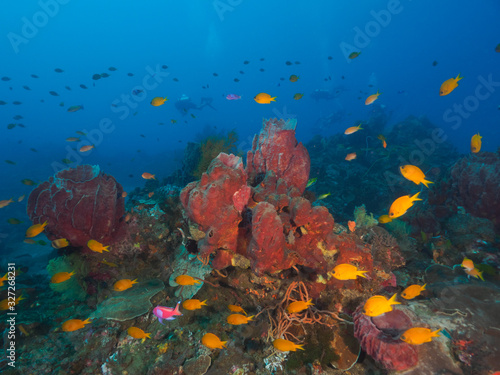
<point x="468" y="264"/>
<point x="475" y="143"/>
<point x="413" y="291"/>
<point x="414" y="174"/>
<point x="352" y="225"/>
<point x="286" y="346"/>
<point x="353" y="129"/>
<point x="193" y="304"/>
<point x="401" y="205"/>
<point x="372" y="98"/>
<point x="475" y="273"/>
<point x="158" y="101"/>
<point x="298" y="306"/>
<point x="418" y="336"/>
<point x="4" y="278"/>
<point x="347" y="272"/>
<point x="74" y="324"/>
<point x="351" y="156"/>
<point x="211" y="341"/>
<point x="186" y="280"/>
<point x="264" y="98"/>
<point x="236" y="309"/>
<point x="449" y="85"/>
<point x="5" y="202"/>
<point x="6" y="304"/>
<point x="378" y="305"/>
<point x="96" y="246"/>
<point x="148" y="176"/>
<point x="382" y="138"/>
<point x="35" y="230"/>
<point x="238" y="319"/>
<point x="86" y="148"/>
<point x="138" y="333"/>
<point x="61" y="277"/>
<point x="124" y="284"/>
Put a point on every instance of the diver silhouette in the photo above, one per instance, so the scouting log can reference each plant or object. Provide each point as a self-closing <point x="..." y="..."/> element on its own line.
<point x="184" y="104"/>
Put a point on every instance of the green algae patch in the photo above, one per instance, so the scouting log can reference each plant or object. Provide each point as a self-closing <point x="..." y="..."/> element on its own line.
<point x="129" y="304"/>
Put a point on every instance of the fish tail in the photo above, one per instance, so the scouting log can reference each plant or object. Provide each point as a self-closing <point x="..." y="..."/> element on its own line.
<point x="415" y="197"/>
<point x="299" y="347"/>
<point x="203" y="303"/>
<point x="426" y="183"/>
<point x="423" y="286"/>
<point x="134" y="281"/>
<point x="223" y="343"/>
<point x="392" y="300"/>
<point x="361" y="273"/>
<point x="250" y="317"/>
<point x="87" y="321"/>
<point x="435" y="333"/>
<point x="480" y="274"/>
<point x="148" y="335"/>
<point x="458" y="77"/>
<point x="309" y="303"/>
<point x="71" y="273"/>
<point x="273" y="99"/>
<point x="105" y="248"/>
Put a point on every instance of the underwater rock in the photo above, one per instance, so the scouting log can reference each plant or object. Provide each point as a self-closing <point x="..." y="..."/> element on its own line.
<point x="210" y="203"/>
<point x="197" y="366"/>
<point x="80" y="204"/>
<point x="474" y="182"/>
<point x="379" y="337"/>
<point x="131" y="303"/>
<point x="276" y="149"/>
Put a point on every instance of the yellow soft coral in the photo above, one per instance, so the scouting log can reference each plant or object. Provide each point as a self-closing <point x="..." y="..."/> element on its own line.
<point x="213" y="146"/>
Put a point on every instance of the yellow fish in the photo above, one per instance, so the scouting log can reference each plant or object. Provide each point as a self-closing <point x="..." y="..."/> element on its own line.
<point x="294" y="78"/>
<point x="382" y="138"/>
<point x="60" y="243"/>
<point x="353" y="129"/>
<point x="186" y="280"/>
<point x="237" y="319"/>
<point x="384" y="219"/>
<point x="35" y="230"/>
<point x="236" y="309"/>
<point x="61" y="277"/>
<point x="298" y="306"/>
<point x="6" y="304"/>
<point x="418" y="336"/>
<point x="264" y="98"/>
<point x="414" y="174"/>
<point x="124" y="284"/>
<point x="286" y="346"/>
<point x="475" y="143"/>
<point x="468" y="264"/>
<point x="5" y="202"/>
<point x="413" y="291"/>
<point x="158" y="101"/>
<point x="449" y="85"/>
<point x="346" y="272"/>
<point x="74" y="324"/>
<point x="193" y="304"/>
<point x="298" y="96"/>
<point x="211" y="341"/>
<point x="323" y="196"/>
<point x="4" y="278"/>
<point x="475" y="273"/>
<point x="378" y="305"/>
<point x="372" y="98"/>
<point x="401" y="205"/>
<point x="138" y="333"/>
<point x="97" y="246"/>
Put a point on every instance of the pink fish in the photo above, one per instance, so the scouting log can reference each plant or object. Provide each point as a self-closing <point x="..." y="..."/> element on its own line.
<point x="167" y="313"/>
<point x="233" y="97"/>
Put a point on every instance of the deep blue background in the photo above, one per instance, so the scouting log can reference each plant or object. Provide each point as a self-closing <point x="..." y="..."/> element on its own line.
<point x="196" y="39"/>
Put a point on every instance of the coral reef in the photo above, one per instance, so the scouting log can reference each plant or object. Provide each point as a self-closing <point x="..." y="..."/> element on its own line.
<point x="212" y="146"/>
<point x="80" y="204"/>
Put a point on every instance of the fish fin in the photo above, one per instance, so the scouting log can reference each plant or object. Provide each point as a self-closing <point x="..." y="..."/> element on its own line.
<point x="177" y="308"/>
<point x="142" y="341"/>
<point x="148" y="335"/>
<point x="160" y="320"/>
<point x="197" y="281"/>
<point x="105" y="248"/>
<point x="426" y="183"/>
<point x="71" y="273"/>
<point x="309" y="303"/>
<point x="87" y="321"/>
<point x="134" y="281"/>
<point x="423" y="286"/>
<point x="458" y="77"/>
<point x="299" y="347"/>
<point x="223" y="343"/>
<point x="250" y="317"/>
<point x="202" y="303"/>
<point x="273" y="99"/>
<point x="392" y="300"/>
<point x="480" y="273"/>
